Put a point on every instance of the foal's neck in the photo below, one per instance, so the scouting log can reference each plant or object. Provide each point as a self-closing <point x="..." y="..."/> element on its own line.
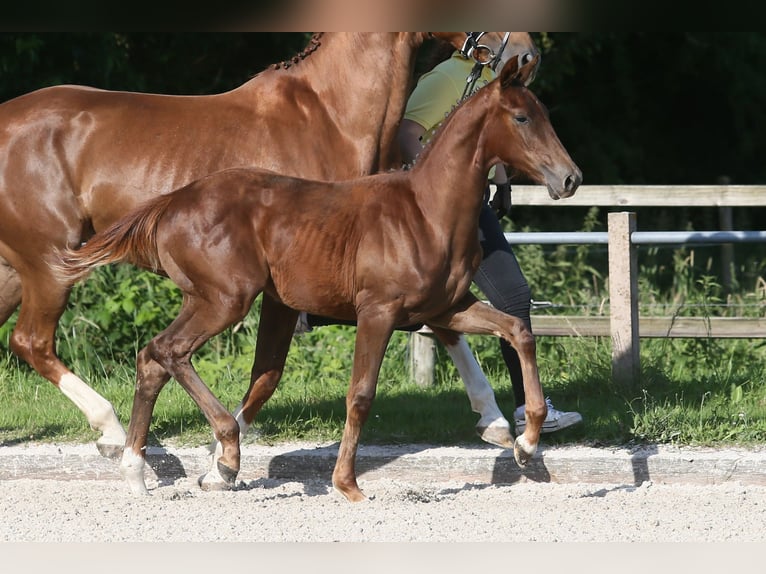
<point x="450" y="175"/>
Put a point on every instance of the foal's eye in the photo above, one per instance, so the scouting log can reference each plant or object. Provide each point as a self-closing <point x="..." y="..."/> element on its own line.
<point x="521" y="119"/>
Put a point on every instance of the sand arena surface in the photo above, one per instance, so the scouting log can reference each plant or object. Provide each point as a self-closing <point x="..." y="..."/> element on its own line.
<point x="403" y="506"/>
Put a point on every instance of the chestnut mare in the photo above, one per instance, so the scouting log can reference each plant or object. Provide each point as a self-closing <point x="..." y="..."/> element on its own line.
<point x="73" y="159"/>
<point x="386" y="250"/>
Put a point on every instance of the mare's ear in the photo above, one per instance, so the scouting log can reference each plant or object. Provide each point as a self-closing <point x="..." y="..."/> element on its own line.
<point x="457" y="39"/>
<point x="520" y="75"/>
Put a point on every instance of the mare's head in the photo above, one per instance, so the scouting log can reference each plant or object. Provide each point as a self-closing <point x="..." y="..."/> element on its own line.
<point x="520" y="131"/>
<point x="494" y="49"/>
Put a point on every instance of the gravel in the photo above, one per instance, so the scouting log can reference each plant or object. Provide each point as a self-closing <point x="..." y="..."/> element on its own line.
<point x="399" y="509"/>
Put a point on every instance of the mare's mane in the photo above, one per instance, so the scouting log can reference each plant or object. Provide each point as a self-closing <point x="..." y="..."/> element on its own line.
<point x="313" y="44"/>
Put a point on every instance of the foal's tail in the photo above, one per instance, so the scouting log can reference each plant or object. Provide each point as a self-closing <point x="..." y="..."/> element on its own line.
<point x="132" y="239"/>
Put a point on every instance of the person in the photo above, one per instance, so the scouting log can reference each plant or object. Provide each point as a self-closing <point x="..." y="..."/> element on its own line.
<point x="499" y="275"/>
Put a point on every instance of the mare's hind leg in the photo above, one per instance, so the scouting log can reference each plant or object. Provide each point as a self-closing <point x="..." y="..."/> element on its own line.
<point x="275" y="331"/>
<point x="10" y="290"/>
<point x="492" y="426"/>
<point x="33" y="340"/>
<point x="372" y="336"/>
<point x="169" y="353"/>
<point x="472" y="316"/>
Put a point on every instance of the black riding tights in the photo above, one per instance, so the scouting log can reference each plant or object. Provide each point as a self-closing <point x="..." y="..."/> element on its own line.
<point x="500" y="278"/>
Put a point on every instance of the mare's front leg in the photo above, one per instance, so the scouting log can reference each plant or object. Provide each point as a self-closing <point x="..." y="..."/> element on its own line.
<point x="492" y="426"/>
<point x="472" y="316"/>
<point x="373" y="333"/>
<point x="275" y="332"/>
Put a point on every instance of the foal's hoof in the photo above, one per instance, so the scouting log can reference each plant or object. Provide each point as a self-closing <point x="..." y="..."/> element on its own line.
<point x="523" y="451"/>
<point x="499" y="436"/>
<point x="351" y="495"/>
<point x="110" y="451"/>
<point x="221" y="477"/>
<point x="349" y="489"/>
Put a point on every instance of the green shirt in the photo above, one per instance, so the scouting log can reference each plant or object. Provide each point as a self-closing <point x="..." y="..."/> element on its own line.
<point x="439" y="91"/>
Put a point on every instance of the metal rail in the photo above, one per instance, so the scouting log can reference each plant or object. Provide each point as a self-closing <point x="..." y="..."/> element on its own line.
<point x="637" y="237"/>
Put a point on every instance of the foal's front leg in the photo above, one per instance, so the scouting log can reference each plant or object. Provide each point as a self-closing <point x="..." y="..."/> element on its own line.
<point x="372" y="336"/>
<point x="472" y="316"/>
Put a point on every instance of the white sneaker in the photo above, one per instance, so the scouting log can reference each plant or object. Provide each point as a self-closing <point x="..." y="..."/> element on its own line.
<point x="554" y="421"/>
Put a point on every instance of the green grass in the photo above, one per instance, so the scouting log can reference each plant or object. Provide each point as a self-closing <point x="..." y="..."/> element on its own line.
<point x="691" y="392"/>
<point x="699" y="393"/>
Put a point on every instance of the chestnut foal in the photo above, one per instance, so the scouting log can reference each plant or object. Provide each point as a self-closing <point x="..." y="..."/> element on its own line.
<point x="74" y="159"/>
<point x="386" y="250"/>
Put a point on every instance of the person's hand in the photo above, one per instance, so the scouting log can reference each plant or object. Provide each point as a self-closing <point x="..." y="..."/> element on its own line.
<point x="501" y="201"/>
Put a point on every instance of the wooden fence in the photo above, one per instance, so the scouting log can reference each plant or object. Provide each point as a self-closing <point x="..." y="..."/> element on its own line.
<point x="624" y="325"/>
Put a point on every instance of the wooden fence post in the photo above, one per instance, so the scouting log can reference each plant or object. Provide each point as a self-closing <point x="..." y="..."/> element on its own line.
<point x="623" y="299"/>
<point x="726" y="223"/>
<point x="422" y="358"/>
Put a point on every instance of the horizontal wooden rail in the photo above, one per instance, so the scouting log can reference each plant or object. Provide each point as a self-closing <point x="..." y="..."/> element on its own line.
<point x="624" y="325"/>
<point x="647" y="196"/>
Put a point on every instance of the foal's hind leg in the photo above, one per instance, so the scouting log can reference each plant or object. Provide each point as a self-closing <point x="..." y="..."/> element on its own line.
<point x="169" y="353"/>
<point x="150" y="378"/>
<point x="472" y="316"/>
<point x="275" y="331"/>
<point x="33" y="340"/>
<point x="492" y="427"/>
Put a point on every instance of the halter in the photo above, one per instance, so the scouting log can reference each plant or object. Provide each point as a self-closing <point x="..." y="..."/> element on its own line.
<point x="483" y="55"/>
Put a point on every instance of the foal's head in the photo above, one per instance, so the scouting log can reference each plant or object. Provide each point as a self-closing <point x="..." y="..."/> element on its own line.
<point x="521" y="133"/>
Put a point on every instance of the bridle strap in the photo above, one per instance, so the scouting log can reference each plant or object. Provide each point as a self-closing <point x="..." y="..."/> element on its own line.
<point x="470" y="81"/>
<point x="469" y="46"/>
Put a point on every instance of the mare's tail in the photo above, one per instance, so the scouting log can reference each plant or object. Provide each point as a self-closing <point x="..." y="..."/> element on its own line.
<point x="132" y="239"/>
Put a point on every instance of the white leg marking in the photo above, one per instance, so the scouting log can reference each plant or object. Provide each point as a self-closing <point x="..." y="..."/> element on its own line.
<point x="213" y="479"/>
<point x="479" y="391"/>
<point x="132" y="470"/>
<point x="528" y="447"/>
<point x="215" y="447"/>
<point x="99" y="412"/>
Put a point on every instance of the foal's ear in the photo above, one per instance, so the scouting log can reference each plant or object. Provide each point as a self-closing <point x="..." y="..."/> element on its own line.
<point x="518" y="75"/>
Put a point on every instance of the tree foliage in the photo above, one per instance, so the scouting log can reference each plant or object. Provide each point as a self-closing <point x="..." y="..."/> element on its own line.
<point x="659" y="107"/>
<point x="632" y="107"/>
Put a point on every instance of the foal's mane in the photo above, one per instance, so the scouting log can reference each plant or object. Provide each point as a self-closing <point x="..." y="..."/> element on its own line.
<point x="442" y="124"/>
<point x="514" y="81"/>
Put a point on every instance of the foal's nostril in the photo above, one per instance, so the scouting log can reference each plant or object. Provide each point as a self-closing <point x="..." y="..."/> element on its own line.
<point x="571" y="183"/>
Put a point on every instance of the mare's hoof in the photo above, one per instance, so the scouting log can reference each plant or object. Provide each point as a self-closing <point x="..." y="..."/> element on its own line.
<point x="523" y="451"/>
<point x="498" y="436"/>
<point x="110" y="451"/>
